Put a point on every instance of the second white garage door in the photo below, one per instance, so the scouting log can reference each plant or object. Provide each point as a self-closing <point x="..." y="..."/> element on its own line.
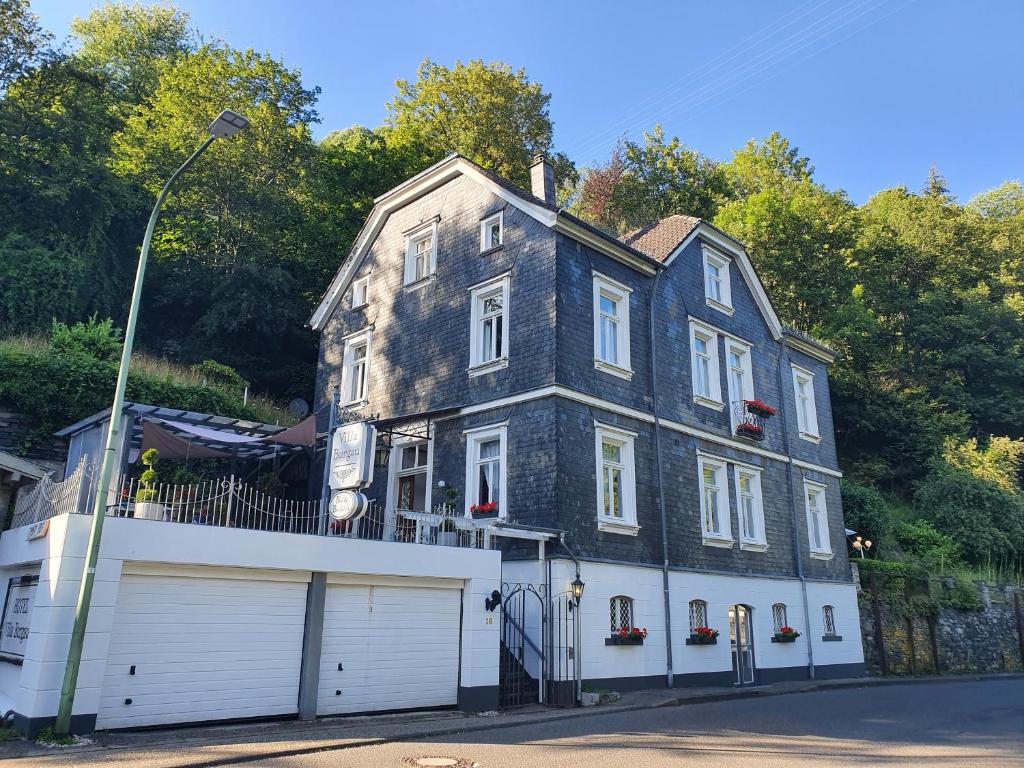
<point x="193" y="648"/>
<point x="389" y="647"/>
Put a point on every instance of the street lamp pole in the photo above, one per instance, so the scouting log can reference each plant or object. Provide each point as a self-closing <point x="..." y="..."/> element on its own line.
<point x="227" y="124"/>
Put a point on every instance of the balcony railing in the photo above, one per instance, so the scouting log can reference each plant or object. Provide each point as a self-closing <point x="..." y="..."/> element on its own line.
<point x="229" y="503"/>
<point x="751" y="418"/>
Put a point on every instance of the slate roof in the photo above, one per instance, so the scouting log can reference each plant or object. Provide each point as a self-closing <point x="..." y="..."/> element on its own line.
<point x="659" y="239"/>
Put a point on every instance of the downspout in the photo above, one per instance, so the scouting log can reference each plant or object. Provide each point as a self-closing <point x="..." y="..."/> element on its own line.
<point x="797" y="554"/>
<point x="669" y="676"/>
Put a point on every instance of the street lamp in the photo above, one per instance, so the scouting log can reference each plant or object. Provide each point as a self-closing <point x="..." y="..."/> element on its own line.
<point x="577" y="589"/>
<point x="860" y="545"/>
<point x="226" y="125"/>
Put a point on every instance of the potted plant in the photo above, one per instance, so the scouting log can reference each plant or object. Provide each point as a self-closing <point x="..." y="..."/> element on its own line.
<point x="627" y="636"/>
<point x="703" y="636"/>
<point x="786" y="635"/>
<point x="750" y="430"/>
<point x="447" y="532"/>
<point x="146" y="506"/>
<point x="759" y="408"/>
<point x="484" y="510"/>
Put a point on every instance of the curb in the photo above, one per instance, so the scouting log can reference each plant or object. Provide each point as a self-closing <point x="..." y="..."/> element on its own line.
<point x="569" y="714"/>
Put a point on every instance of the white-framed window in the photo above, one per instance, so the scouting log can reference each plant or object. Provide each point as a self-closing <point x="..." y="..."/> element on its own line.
<point x="828" y="617"/>
<point x="611" y="326"/>
<point x="421" y="253"/>
<point x="355" y="372"/>
<point x="750" y="508"/>
<point x="361" y="292"/>
<point x="717" y="288"/>
<point x="492" y="231"/>
<point x="740" y="377"/>
<point x="409" y="466"/>
<point x="779" y="619"/>
<point x="817" y="520"/>
<point x="620" y="609"/>
<point x="698" y="615"/>
<point x="616" y="480"/>
<point x="489" y="332"/>
<point x="806" y="411"/>
<point x="714" y="502"/>
<point x="486" y="468"/>
<point x="707" y="385"/>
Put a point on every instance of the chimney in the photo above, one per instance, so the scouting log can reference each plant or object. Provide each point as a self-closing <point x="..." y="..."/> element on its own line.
<point x="542" y="179"/>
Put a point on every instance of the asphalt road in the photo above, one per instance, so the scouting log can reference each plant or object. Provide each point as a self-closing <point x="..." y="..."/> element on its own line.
<point x="962" y="724"/>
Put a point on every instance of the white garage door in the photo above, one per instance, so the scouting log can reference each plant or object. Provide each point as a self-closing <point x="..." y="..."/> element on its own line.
<point x="191" y="649"/>
<point x="389" y="647"/>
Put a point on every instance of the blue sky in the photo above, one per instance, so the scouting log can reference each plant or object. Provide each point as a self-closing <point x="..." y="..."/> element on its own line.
<point x="873" y="91"/>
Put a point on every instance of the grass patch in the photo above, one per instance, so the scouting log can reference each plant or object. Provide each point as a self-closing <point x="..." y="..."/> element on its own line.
<point x="49" y="737"/>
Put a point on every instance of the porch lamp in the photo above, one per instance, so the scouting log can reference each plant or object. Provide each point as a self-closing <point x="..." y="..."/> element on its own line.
<point x="577" y="589"/>
<point x="226" y="125"/>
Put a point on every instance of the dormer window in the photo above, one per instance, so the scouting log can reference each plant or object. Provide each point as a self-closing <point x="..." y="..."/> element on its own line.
<point x="421" y="254"/>
<point x="492" y="231"/>
<point x="717" y="290"/>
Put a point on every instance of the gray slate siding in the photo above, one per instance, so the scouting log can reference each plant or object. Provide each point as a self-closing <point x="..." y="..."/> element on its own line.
<point x="420" y="343"/>
<point x="420" y="356"/>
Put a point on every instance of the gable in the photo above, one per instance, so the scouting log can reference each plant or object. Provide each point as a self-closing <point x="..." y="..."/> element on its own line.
<point x="720" y="241"/>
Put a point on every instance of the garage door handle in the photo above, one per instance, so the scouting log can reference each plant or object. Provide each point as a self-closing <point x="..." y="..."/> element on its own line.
<point x="131" y="670"/>
<point x="337" y="693"/>
<point x="340" y="668"/>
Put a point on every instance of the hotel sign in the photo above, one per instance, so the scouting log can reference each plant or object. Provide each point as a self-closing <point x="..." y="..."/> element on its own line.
<point x="352" y="456"/>
<point x="17" y="620"/>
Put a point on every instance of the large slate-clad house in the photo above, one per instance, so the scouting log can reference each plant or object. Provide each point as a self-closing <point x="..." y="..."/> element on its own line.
<point x="637" y="395"/>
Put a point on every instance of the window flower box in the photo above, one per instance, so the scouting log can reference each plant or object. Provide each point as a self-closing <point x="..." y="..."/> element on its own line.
<point x="627" y="636"/>
<point x="488" y="508"/>
<point x="759" y="408"/>
<point x="750" y="430"/>
<point x="785" y="635"/>
<point x="703" y="636"/>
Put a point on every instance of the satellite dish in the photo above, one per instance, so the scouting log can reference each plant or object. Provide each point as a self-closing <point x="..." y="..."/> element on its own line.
<point x="298" y="408"/>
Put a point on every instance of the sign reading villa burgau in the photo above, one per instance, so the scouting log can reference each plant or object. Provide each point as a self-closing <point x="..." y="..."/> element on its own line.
<point x="17" y="620"/>
<point x="352" y="455"/>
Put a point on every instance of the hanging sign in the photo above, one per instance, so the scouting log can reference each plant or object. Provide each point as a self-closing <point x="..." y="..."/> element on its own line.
<point x="17" y="620"/>
<point x="352" y="456"/>
<point x="348" y="505"/>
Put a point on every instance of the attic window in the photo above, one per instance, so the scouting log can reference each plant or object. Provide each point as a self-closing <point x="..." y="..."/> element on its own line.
<point x="717" y="288"/>
<point x="492" y="231"/>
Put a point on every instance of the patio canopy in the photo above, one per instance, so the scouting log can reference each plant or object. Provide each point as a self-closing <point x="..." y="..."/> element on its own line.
<point x="189" y="434"/>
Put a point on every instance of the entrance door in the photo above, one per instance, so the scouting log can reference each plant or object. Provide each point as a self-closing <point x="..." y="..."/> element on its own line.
<point x="742" y="647"/>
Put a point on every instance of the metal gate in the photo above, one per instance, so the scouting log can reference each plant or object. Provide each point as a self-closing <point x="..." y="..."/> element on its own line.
<point x="539" y="637"/>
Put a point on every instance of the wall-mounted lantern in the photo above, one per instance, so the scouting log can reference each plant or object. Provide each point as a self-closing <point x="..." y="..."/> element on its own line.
<point x="492" y="602"/>
<point x="577" y="589"/>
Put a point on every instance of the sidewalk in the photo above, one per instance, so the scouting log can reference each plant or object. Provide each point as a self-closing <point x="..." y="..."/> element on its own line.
<point x="226" y="744"/>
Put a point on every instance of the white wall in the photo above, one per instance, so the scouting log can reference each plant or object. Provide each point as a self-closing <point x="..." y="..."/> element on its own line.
<point x="60" y="558"/>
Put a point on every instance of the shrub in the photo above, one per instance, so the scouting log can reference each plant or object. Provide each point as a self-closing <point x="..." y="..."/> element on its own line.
<point x="933" y="549"/>
<point x="866" y="512"/>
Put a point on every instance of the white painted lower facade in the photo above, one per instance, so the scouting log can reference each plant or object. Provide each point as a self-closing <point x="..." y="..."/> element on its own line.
<point x="646" y="665"/>
<point x="193" y="623"/>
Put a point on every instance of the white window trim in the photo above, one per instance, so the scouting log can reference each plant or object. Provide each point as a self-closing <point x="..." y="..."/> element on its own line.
<point x="748" y="377"/>
<point x="621" y="294"/>
<point x="632" y="611"/>
<point x="352" y="341"/>
<point x="714" y="399"/>
<point x="477" y="368"/>
<point x="722" y="538"/>
<point x="485" y="224"/>
<point x="809" y="431"/>
<point x="400" y="442"/>
<point x="759" y="542"/>
<point x="721" y="261"/>
<point x="365" y="283"/>
<point x="474" y="437"/>
<point x="824" y="552"/>
<point x="627" y="524"/>
<point x="410" y="256"/>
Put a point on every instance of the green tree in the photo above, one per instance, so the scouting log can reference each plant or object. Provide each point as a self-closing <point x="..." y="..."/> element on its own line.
<point x="492" y="114"/>
<point x="766" y="164"/>
<point x="38" y="283"/>
<point x="648" y="180"/>
<point x="130" y="45"/>
<point x="239" y="213"/>
<point x="23" y="42"/>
